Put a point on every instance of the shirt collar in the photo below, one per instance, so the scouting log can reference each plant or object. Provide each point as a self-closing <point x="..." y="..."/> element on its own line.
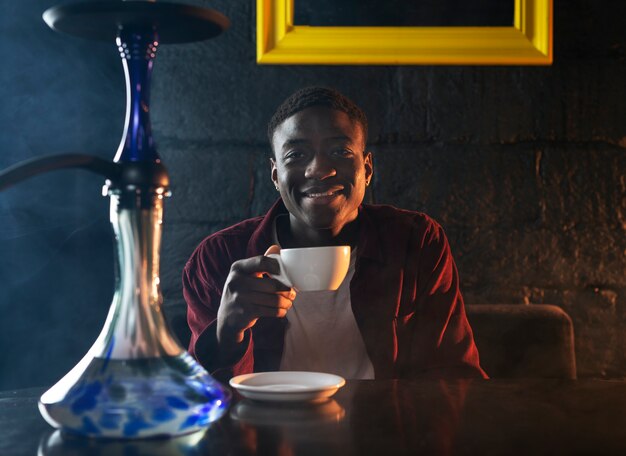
<point x="368" y="241"/>
<point x="261" y="238"/>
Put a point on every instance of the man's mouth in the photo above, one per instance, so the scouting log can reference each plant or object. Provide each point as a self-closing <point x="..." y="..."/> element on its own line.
<point x="322" y="194"/>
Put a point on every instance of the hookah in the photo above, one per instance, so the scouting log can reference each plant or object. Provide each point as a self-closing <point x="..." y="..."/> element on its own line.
<point x="136" y="380"/>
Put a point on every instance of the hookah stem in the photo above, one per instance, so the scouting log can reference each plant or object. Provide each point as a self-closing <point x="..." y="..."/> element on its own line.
<point x="137" y="49"/>
<point x="40" y="165"/>
<point x="136" y="161"/>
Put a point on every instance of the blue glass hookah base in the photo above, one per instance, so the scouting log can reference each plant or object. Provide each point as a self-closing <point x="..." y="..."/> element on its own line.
<point x="139" y="398"/>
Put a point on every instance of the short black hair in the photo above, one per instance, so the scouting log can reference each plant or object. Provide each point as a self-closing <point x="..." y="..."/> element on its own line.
<point x="316" y="96"/>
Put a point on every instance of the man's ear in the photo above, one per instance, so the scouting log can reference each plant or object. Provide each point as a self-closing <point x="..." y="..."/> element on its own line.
<point x="274" y="172"/>
<point x="369" y="167"/>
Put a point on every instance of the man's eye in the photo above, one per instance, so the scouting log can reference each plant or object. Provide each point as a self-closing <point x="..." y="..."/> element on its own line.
<point x="343" y="152"/>
<point x="294" y="154"/>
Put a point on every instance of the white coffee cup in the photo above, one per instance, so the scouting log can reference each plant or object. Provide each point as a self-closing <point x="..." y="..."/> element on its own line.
<point x="314" y="268"/>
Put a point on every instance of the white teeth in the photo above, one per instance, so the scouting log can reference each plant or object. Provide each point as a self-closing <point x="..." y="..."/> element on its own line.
<point x="317" y="195"/>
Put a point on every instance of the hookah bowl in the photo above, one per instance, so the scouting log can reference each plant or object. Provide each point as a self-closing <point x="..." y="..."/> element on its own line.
<point x="136" y="381"/>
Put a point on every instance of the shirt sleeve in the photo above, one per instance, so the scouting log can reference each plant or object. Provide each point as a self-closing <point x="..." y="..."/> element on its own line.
<point x="203" y="278"/>
<point x="440" y="337"/>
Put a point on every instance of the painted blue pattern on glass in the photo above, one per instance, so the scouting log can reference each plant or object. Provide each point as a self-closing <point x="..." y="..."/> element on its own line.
<point x="163" y="414"/>
<point x="190" y="421"/>
<point x="76" y="391"/>
<point x="110" y="421"/>
<point x="87" y="400"/>
<point x="89" y="426"/>
<point x="176" y="403"/>
<point x="204" y="419"/>
<point x="132" y="427"/>
<point x="161" y="401"/>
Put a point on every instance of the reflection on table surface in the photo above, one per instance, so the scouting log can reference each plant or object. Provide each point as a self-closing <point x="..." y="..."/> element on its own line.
<point x="56" y="444"/>
<point x="301" y="423"/>
<point x="372" y="417"/>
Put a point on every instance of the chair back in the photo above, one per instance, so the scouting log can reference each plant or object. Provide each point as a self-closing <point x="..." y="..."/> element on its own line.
<point x="516" y="341"/>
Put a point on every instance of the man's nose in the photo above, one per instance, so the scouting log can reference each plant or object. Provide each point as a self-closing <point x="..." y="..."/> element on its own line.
<point x="320" y="167"/>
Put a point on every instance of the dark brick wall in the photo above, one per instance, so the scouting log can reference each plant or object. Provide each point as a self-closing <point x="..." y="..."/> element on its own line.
<point x="525" y="167"/>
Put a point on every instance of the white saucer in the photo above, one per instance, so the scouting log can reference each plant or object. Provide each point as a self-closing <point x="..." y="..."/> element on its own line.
<point x="287" y="386"/>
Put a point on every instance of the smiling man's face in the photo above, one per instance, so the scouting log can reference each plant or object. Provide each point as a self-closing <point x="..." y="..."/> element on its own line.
<point x="321" y="168"/>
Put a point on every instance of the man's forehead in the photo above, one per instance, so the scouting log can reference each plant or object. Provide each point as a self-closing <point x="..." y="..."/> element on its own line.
<point x="332" y="123"/>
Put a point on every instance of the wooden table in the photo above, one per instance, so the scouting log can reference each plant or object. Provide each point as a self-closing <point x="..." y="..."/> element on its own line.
<point x="374" y="417"/>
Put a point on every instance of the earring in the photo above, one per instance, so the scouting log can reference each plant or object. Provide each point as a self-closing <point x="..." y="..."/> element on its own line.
<point x="276" y="185"/>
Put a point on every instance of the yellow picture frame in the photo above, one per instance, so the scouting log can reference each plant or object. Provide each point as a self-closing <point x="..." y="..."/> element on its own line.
<point x="527" y="42"/>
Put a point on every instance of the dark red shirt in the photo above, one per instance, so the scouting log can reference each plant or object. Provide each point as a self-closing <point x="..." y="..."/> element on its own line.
<point x="404" y="295"/>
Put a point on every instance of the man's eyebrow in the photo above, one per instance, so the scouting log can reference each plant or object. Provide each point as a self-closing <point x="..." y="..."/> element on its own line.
<point x="300" y="141"/>
<point x="295" y="142"/>
<point x="340" y="138"/>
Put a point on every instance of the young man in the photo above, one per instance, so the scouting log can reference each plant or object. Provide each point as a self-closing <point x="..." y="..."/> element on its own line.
<point x="399" y="312"/>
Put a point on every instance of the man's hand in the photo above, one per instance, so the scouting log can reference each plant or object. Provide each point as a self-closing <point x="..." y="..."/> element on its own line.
<point x="249" y="294"/>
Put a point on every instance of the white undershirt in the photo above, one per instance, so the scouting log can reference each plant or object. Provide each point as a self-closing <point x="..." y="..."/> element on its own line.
<point x="322" y="334"/>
